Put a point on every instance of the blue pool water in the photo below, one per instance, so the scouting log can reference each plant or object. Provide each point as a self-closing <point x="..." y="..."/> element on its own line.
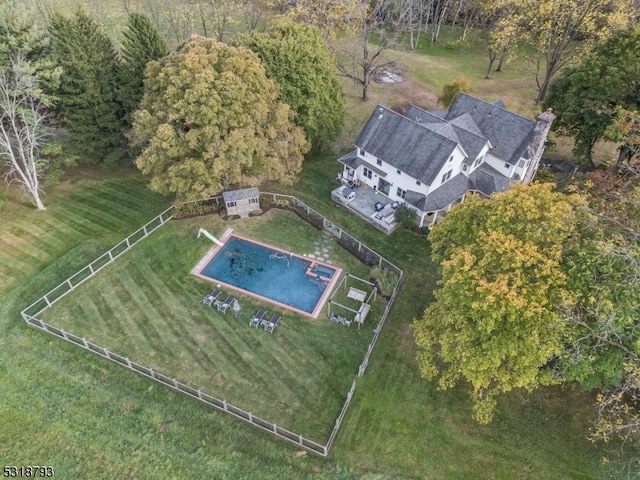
<point x="268" y="273"/>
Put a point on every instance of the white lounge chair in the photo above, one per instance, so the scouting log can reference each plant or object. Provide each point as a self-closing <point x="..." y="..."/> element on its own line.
<point x="212" y="297"/>
<point x="272" y="323"/>
<point x="257" y="319"/>
<point x="223" y="306"/>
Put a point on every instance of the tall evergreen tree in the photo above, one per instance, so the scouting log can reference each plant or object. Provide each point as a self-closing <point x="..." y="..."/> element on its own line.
<point x="142" y="43"/>
<point x="88" y="103"/>
<point x="297" y="59"/>
<point x="19" y="34"/>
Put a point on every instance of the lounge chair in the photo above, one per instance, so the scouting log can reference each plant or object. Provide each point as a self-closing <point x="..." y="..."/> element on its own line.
<point x="272" y="323"/>
<point x="212" y="297"/>
<point x="257" y="319"/>
<point x="223" y="306"/>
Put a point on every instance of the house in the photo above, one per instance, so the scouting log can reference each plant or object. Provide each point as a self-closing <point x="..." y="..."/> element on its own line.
<point x="430" y="160"/>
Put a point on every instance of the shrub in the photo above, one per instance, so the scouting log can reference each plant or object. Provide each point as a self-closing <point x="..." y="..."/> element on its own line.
<point x="406" y="217"/>
<point x="386" y="280"/>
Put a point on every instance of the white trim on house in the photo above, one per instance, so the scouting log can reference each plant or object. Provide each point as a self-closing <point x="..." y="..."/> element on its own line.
<point x="431" y="160"/>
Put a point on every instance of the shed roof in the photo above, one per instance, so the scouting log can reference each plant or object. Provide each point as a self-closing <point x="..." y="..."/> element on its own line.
<point x="241" y="194"/>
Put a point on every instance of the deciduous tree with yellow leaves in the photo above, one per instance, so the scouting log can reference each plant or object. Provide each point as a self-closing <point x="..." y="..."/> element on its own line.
<point x="495" y="321"/>
<point x="210" y="118"/>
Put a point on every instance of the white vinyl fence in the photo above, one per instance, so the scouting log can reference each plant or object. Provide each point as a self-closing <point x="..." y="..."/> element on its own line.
<point x="360" y="250"/>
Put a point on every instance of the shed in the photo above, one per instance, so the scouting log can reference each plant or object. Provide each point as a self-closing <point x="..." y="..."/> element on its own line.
<point x="241" y="202"/>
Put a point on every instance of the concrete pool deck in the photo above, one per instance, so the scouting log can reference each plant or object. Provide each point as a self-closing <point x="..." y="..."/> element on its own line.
<point x="312" y="260"/>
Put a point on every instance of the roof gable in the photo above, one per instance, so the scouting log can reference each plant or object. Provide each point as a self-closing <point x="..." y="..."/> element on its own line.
<point x="405" y="144"/>
<point x="508" y="132"/>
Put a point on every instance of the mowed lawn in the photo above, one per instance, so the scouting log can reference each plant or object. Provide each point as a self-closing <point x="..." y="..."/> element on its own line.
<point x="148" y="307"/>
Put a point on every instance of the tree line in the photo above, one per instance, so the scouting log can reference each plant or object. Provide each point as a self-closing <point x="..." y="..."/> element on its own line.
<point x="197" y="119"/>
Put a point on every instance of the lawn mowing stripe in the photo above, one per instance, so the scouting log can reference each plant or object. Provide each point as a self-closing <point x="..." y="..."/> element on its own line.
<point x="81" y="229"/>
<point x="103" y="220"/>
<point x="115" y="200"/>
<point x="165" y="320"/>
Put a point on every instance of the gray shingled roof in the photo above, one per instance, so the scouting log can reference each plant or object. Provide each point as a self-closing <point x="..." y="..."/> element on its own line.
<point x="405" y="144"/>
<point x="508" y="132"/>
<point x="242" y="194"/>
<point x="352" y="160"/>
<point x="420" y="115"/>
<point x="442" y="196"/>
<point x="488" y="180"/>
<point x="483" y="179"/>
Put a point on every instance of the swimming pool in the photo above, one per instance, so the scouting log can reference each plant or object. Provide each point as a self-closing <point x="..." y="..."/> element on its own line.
<point x="289" y="280"/>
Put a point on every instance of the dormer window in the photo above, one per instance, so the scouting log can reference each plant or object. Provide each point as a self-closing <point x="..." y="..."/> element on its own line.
<point x="446" y="176"/>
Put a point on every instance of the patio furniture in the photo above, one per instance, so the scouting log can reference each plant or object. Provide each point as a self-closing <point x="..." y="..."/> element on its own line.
<point x="223" y="306"/>
<point x="362" y="313"/>
<point x="212" y="297"/>
<point x="257" y="319"/>
<point x="272" y="323"/>
<point x="378" y="206"/>
<point x="357" y="294"/>
<point x="385" y="212"/>
<point x="340" y="319"/>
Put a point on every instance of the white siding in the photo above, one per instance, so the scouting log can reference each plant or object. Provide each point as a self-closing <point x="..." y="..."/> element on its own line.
<point x="454" y="165"/>
<point x="501" y="166"/>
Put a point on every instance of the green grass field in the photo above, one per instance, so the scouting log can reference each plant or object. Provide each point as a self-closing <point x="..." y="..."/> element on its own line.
<point x="149" y="308"/>
<point x="90" y="418"/>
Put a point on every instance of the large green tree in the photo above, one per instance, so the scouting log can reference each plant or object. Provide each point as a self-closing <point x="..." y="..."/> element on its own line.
<point x="210" y="118"/>
<point x="602" y="342"/>
<point x="495" y="321"/>
<point x="586" y="98"/>
<point x="296" y="58"/>
<point x="141" y="44"/>
<point x="87" y="98"/>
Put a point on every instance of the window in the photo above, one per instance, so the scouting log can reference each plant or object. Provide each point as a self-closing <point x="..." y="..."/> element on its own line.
<point x="451" y="158"/>
<point x="446" y="176"/>
<point x="464" y="167"/>
<point x="367" y="173"/>
<point x="253" y="200"/>
<point x="506" y="165"/>
<point x="522" y="163"/>
<point x="401" y="193"/>
<point x="418" y="182"/>
<point x="398" y="172"/>
<point x="231" y="204"/>
<point x="379" y="162"/>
